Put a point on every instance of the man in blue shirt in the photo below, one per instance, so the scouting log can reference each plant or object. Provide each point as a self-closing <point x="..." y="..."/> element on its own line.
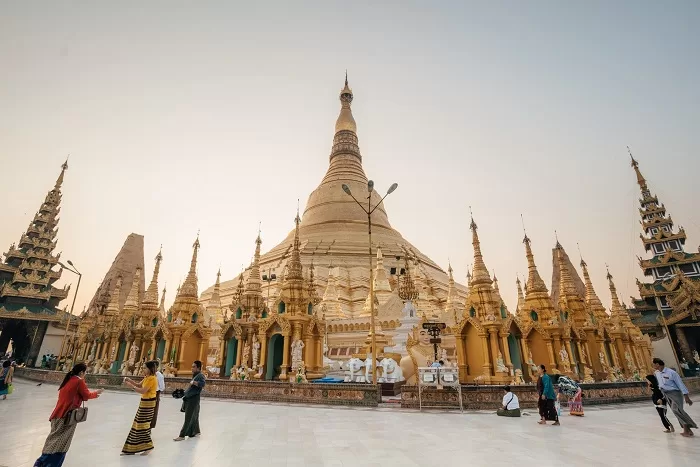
<point x="675" y="391"/>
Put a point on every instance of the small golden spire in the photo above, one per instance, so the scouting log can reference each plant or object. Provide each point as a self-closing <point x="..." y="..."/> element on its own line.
<point x="294" y="264"/>
<point x="635" y="165"/>
<point x="345" y="121"/>
<point x="151" y="295"/>
<point x="132" y="300"/>
<point x="534" y="281"/>
<point x="112" y="308"/>
<point x="59" y="180"/>
<point x="480" y="274"/>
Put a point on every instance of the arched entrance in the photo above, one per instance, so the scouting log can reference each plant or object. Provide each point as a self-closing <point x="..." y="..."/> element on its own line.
<point x="231" y="350"/>
<point x="120" y="357"/>
<point x="16" y="331"/>
<point x="275" y="353"/>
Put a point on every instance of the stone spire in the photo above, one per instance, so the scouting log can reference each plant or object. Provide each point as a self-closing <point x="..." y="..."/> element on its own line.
<point x="480" y="275"/>
<point x="151" y="295"/>
<point x="131" y="306"/>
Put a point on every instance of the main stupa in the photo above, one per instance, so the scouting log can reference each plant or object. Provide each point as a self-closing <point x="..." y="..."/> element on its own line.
<point x="333" y="235"/>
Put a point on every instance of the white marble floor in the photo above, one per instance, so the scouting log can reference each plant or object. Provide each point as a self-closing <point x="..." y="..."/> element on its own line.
<point x="243" y="434"/>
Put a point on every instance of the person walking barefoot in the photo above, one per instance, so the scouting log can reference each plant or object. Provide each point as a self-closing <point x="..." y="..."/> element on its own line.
<point x="139" y="438"/>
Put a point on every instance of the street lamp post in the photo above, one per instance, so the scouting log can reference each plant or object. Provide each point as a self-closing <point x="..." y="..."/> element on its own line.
<point x="369" y="210"/>
<point x="70" y="317"/>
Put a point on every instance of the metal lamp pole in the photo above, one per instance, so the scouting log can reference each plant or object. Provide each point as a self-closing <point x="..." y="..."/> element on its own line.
<point x="80" y="276"/>
<point x="369" y="210"/>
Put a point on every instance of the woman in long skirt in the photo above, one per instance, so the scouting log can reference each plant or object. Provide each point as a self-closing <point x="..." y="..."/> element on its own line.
<point x="71" y="393"/>
<point x="139" y="438"/>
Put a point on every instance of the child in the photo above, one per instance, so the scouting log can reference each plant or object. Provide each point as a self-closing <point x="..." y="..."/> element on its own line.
<point x="659" y="401"/>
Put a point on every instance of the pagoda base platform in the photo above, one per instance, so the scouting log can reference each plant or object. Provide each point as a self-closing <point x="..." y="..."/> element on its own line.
<point x="366" y="395"/>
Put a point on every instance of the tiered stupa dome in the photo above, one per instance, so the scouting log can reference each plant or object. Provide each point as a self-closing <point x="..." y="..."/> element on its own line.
<point x="333" y="232"/>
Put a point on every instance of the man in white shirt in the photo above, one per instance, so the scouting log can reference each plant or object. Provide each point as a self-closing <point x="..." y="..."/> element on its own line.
<point x="510" y="406"/>
<point x="675" y="391"/>
<point x="161" y="388"/>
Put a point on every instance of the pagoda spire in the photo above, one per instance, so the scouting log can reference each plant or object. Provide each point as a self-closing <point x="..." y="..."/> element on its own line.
<point x="32" y="259"/>
<point x="215" y="299"/>
<point x="534" y="281"/>
<point x="162" y="301"/>
<point x="151" y="295"/>
<point x="592" y="300"/>
<point x="617" y="310"/>
<point x="112" y="308"/>
<point x="521" y="297"/>
<point x="131" y="306"/>
<point x="189" y="286"/>
<point x="294" y="265"/>
<point x="480" y="275"/>
<point x="567" y="289"/>
<point x="641" y="181"/>
<point x="254" y="284"/>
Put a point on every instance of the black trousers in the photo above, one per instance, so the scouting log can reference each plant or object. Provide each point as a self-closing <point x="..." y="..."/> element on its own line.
<point x="662" y="414"/>
<point x="547" y="409"/>
<point x="191" y="425"/>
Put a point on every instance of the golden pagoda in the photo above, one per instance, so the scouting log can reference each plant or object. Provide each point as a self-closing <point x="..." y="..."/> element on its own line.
<point x="333" y="230"/>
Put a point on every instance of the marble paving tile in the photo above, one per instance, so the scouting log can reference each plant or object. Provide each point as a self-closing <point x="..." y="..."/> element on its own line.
<point x="268" y="435"/>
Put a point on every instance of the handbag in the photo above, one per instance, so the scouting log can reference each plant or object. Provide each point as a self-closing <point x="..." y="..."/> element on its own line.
<point x="77" y="415"/>
<point x="10" y="388"/>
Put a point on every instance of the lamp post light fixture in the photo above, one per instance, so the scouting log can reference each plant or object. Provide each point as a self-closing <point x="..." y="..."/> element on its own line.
<point x="74" y="270"/>
<point x="369" y="210"/>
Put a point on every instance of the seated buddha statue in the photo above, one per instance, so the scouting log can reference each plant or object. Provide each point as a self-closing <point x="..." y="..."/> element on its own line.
<point x="421" y="353"/>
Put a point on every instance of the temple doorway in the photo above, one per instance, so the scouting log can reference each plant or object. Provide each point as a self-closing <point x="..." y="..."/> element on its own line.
<point x="120" y="357"/>
<point x="160" y="349"/>
<point x="231" y="351"/>
<point x="16" y="332"/>
<point x="275" y="354"/>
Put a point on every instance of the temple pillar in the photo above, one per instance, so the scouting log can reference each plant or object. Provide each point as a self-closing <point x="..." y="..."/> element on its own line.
<point x="493" y="337"/>
<point x="582" y="357"/>
<point x="485" y="352"/>
<point x="262" y="338"/>
<point x="686" y="352"/>
<point x="203" y="347"/>
<point x="239" y="351"/>
<point x="308" y="350"/>
<point x="572" y="362"/>
<point x="166" y="351"/>
<point x="220" y="356"/>
<point x="127" y="349"/>
<point x="506" y="352"/>
<point x="461" y="358"/>
<point x="285" y="358"/>
<point x="550" y="352"/>
<point x="181" y="360"/>
<point x="154" y="347"/>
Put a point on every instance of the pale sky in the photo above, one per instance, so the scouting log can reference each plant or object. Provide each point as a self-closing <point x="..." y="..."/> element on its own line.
<point x="214" y="116"/>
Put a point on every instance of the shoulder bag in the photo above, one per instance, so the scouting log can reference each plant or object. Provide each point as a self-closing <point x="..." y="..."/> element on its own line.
<point x="77" y="415"/>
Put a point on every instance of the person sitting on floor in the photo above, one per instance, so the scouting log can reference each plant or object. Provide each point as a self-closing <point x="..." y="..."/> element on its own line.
<point x="511" y="405"/>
